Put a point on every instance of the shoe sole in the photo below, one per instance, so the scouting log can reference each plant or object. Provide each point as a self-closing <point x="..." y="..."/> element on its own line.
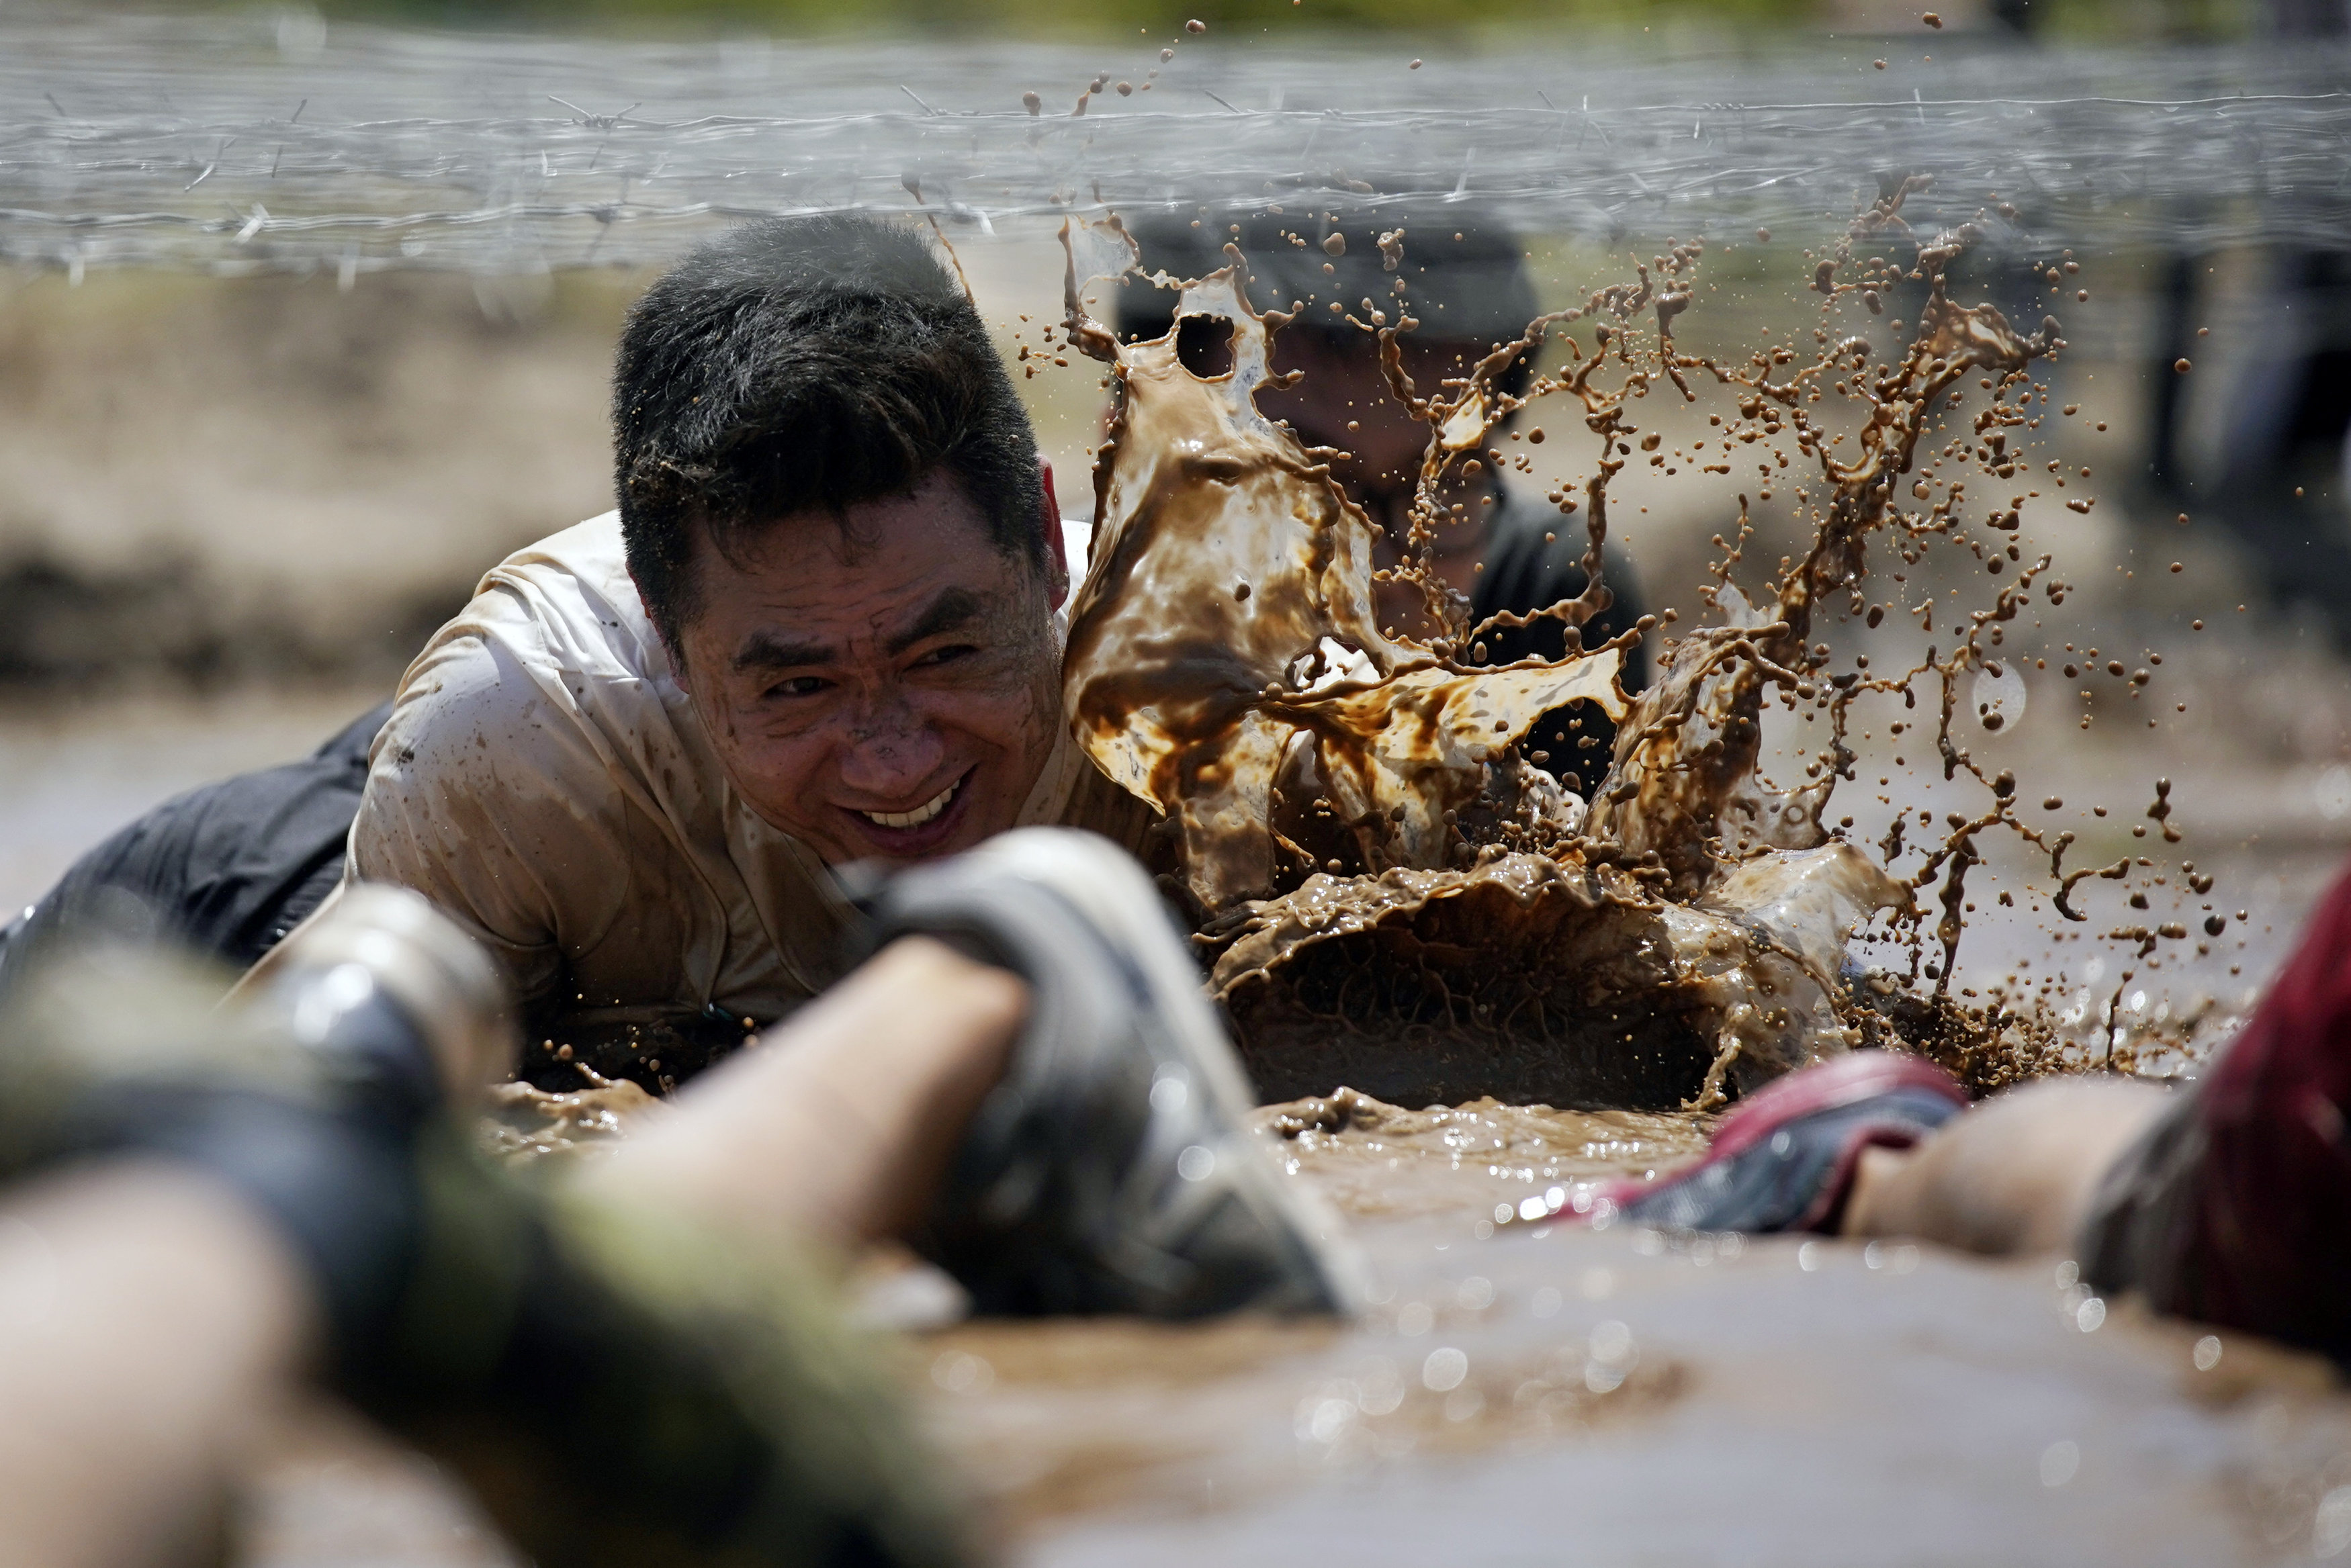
<point x="1117" y="896"/>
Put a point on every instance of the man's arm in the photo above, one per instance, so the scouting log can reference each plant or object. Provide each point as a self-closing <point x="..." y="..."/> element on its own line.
<point x="484" y="795"/>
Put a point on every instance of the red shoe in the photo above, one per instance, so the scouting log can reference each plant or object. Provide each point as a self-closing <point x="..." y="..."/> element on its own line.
<point x="1783" y="1158"/>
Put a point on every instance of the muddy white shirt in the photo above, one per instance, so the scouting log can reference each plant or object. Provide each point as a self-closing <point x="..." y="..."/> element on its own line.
<point x="545" y="780"/>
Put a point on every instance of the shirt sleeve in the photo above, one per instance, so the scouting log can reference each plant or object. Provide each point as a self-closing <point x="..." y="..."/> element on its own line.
<point x="485" y="794"/>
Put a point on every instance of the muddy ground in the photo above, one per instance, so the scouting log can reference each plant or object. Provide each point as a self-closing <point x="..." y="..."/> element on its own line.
<point x="228" y="511"/>
<point x="1541" y="1395"/>
<point x="1784" y="1403"/>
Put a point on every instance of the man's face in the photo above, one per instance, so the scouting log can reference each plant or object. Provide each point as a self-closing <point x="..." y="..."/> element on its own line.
<point x="1344" y="402"/>
<point x="884" y="686"/>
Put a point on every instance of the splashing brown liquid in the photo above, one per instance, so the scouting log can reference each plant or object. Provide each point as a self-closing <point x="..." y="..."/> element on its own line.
<point x="1401" y="901"/>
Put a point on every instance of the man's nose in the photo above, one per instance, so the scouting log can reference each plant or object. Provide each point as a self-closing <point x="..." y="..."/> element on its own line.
<point x="891" y="750"/>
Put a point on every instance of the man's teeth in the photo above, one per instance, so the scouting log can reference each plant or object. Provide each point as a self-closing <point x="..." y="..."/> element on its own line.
<point x="921" y="813"/>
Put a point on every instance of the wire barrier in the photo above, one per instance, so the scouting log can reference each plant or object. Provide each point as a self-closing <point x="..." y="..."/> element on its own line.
<point x="269" y="141"/>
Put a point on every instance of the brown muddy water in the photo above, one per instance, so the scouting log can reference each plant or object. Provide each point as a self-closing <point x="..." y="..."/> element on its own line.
<point x="1399" y="891"/>
<point x="1930" y="1409"/>
<point x="1542" y="1394"/>
<point x="1525" y="1391"/>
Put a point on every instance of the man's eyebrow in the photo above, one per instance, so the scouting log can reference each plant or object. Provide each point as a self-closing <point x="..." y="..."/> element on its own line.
<point x="953" y="609"/>
<point x="762" y="650"/>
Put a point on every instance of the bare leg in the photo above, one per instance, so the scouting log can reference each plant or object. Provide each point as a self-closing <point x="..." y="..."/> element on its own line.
<point x="841" y="1121"/>
<point x="2015" y="1174"/>
<point x="150" y="1315"/>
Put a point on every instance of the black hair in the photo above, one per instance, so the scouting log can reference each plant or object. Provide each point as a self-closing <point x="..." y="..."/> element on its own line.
<point x="1464" y="272"/>
<point x="807" y="364"/>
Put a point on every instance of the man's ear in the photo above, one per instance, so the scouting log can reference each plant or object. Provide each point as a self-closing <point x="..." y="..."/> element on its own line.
<point x="1057" y="548"/>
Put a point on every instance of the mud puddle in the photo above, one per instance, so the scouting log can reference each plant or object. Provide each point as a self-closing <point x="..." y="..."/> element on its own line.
<point x="1546" y="1394"/>
<point x="1814" y="1405"/>
<point x="1377" y="1161"/>
<point x="1542" y="1393"/>
<point x="1538" y="1392"/>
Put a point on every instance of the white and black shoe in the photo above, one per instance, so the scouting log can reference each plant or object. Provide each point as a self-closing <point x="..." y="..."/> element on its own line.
<point x="1113" y="1170"/>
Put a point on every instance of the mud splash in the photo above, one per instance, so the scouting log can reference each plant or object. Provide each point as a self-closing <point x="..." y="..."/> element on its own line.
<point x="526" y="1123"/>
<point x="1400" y="900"/>
<point x="1222" y="645"/>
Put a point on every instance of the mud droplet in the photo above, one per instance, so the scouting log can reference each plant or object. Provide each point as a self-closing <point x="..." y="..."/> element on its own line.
<point x="1195" y="26"/>
<point x="1931" y="19"/>
<point x="1334" y="245"/>
<point x="1032" y="103"/>
<point x="2181" y="365"/>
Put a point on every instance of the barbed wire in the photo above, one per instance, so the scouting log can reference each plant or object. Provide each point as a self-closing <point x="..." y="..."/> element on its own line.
<point x="271" y="143"/>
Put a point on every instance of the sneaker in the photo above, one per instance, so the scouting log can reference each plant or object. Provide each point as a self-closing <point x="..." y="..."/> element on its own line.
<point x="1113" y="1170"/>
<point x="394" y="1002"/>
<point x="1783" y="1158"/>
<point x="308" y="1095"/>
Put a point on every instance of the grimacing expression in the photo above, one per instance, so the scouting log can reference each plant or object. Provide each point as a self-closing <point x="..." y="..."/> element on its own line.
<point x="883" y="685"/>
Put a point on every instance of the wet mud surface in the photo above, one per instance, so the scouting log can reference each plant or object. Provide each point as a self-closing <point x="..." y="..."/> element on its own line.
<point x="1542" y="1393"/>
<point x="1770" y="1413"/>
<point x="1395" y="899"/>
<point x="1539" y="1393"/>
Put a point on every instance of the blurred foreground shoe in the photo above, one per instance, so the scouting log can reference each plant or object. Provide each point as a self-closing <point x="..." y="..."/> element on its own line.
<point x="306" y="1096"/>
<point x="395" y="1002"/>
<point x="1113" y="1170"/>
<point x="1783" y="1158"/>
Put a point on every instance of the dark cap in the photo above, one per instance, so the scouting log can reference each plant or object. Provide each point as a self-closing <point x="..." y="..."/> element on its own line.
<point x="1464" y="276"/>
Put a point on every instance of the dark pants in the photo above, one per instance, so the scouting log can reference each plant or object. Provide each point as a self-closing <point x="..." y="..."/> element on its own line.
<point x="226" y="870"/>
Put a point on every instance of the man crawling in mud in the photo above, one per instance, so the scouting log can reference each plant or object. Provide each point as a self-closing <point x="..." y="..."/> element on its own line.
<point x="822" y="629"/>
<point x="823" y="626"/>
